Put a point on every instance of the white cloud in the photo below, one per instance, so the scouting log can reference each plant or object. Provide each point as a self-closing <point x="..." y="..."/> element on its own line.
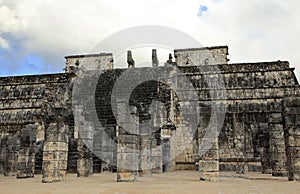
<point x="9" y="23"/>
<point x="4" y="43"/>
<point x="254" y="30"/>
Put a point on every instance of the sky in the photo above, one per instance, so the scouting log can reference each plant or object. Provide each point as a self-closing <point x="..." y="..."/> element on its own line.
<point x="36" y="35"/>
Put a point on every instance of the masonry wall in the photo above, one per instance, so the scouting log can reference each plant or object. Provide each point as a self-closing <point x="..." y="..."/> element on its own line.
<point x="23" y="105"/>
<point x="251" y="96"/>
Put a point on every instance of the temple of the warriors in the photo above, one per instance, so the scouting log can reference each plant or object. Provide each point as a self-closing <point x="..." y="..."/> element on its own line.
<point x="194" y="112"/>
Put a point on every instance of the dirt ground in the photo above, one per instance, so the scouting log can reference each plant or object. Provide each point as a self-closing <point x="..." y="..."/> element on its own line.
<point x="174" y="182"/>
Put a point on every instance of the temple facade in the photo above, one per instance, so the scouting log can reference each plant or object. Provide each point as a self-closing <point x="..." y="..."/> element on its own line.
<point x="197" y="112"/>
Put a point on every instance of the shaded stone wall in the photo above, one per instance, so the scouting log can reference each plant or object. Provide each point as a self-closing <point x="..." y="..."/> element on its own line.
<point x="22" y="107"/>
<point x="247" y="137"/>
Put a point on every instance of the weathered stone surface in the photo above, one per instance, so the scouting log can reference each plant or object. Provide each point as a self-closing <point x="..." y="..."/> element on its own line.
<point x="84" y="161"/>
<point x="292" y="137"/>
<point x="55" y="158"/>
<point x="128" y="156"/>
<point x="209" y="176"/>
<point x="26" y="158"/>
<point x="259" y="132"/>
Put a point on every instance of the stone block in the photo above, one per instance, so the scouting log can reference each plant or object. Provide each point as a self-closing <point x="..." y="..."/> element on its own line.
<point x="208" y="166"/>
<point x="293" y="141"/>
<point x="51" y="165"/>
<point x="127" y="139"/>
<point x="293" y="131"/>
<point x="55" y="146"/>
<point x="128" y="148"/>
<point x="292" y="110"/>
<point x="275" y="118"/>
<point x="291" y="102"/>
<point x="208" y="154"/>
<point x="126" y="176"/>
<point x="208" y="143"/>
<point x="55" y="155"/>
<point x="209" y="176"/>
<point x="54" y="176"/>
<point x="275" y="128"/>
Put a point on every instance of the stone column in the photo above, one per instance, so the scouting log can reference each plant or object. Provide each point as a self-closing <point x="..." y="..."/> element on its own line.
<point x="277" y="146"/>
<point x="156" y="153"/>
<point x="292" y="136"/>
<point x="55" y="154"/>
<point x="159" y="113"/>
<point x="168" y="131"/>
<point x="85" y="159"/>
<point x="208" y="148"/>
<point x="145" y="139"/>
<point x="26" y="159"/>
<point x="108" y="148"/>
<point x="145" y="154"/>
<point x="2" y="154"/>
<point x="209" y="161"/>
<point x="11" y="157"/>
<point x="128" y="149"/>
<point x="265" y="148"/>
<point x="85" y="150"/>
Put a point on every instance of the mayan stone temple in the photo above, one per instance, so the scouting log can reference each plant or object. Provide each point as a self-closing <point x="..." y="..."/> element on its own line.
<point x="195" y="112"/>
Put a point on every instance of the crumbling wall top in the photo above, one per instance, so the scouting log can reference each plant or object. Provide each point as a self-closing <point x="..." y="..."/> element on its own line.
<point x="102" y="61"/>
<point x="201" y="56"/>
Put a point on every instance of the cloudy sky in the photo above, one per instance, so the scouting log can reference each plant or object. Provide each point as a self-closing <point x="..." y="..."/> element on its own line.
<point x="36" y="35"/>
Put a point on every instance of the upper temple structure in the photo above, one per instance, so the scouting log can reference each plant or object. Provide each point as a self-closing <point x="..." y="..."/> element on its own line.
<point x="195" y="112"/>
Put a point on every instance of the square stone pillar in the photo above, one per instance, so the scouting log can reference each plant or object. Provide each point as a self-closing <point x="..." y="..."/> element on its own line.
<point x="168" y="132"/>
<point x="85" y="159"/>
<point x="277" y="145"/>
<point x="265" y="155"/>
<point x="26" y="159"/>
<point x="2" y="154"/>
<point x="156" y="154"/>
<point x="127" y="158"/>
<point x="145" y="155"/>
<point x="292" y="136"/>
<point x="85" y="149"/>
<point x="209" y="160"/>
<point x="128" y="147"/>
<point x="55" y="154"/>
<point x="208" y="148"/>
<point x="11" y="155"/>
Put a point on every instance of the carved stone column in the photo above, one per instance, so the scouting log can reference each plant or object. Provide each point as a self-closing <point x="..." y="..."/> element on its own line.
<point x="11" y="156"/>
<point x="26" y="159"/>
<point x="277" y="145"/>
<point x="55" y="154"/>
<point x="208" y="147"/>
<point x="85" y="159"/>
<point x="128" y="149"/>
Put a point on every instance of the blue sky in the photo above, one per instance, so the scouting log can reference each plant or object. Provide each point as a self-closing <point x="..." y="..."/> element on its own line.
<point x="36" y="35"/>
<point x="202" y="10"/>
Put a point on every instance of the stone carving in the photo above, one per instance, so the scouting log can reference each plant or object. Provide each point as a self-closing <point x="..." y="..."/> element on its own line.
<point x="130" y="61"/>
